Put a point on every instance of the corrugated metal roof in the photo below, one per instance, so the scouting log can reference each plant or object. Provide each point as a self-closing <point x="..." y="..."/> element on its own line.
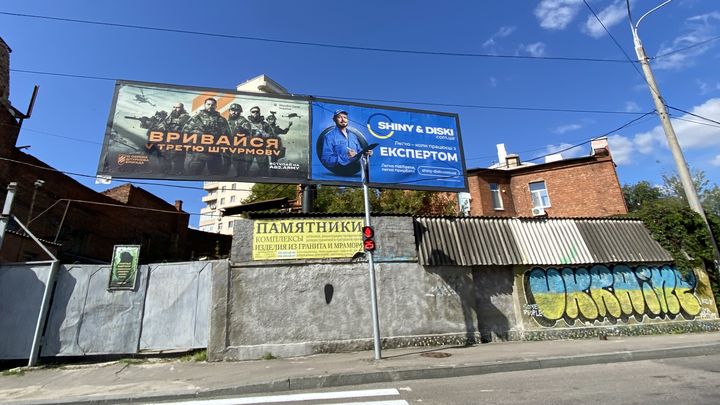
<point x="614" y="241"/>
<point x="525" y="241"/>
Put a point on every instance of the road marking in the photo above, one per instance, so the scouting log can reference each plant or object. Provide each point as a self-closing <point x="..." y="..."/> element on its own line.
<point x="395" y="402"/>
<point x="297" y="397"/>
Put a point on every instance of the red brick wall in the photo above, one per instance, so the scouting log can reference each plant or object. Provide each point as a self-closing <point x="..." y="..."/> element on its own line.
<point x="481" y="203"/>
<point x="579" y="188"/>
<point x="4" y="71"/>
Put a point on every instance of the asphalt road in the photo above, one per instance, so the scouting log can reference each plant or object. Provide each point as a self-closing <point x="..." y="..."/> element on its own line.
<point x="692" y="380"/>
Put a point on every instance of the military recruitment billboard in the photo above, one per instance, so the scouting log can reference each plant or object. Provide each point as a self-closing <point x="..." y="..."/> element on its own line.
<point x="412" y="149"/>
<point x="158" y="131"/>
<point x="180" y="133"/>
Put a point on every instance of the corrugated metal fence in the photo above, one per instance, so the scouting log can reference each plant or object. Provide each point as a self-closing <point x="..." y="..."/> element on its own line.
<point x="527" y="241"/>
<point x="169" y="310"/>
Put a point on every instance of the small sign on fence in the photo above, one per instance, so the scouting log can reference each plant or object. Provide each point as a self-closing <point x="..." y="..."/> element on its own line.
<point x="123" y="273"/>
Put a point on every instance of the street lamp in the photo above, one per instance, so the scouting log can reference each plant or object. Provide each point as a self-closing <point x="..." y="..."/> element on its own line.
<point x="673" y="144"/>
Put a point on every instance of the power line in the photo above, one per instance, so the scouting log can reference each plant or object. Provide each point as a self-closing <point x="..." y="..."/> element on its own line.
<point x="627" y="57"/>
<point x="696" y="122"/>
<point x="627" y="124"/>
<point x="478" y="106"/>
<point x="694" y="115"/>
<point x="662" y="55"/>
<point x="307" y="43"/>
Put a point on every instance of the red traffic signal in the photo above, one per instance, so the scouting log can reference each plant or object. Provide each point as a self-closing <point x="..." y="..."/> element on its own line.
<point x="368" y="242"/>
<point x="369" y="245"/>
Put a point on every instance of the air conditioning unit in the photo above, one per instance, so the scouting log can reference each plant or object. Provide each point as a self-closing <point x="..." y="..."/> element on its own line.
<point x="538" y="212"/>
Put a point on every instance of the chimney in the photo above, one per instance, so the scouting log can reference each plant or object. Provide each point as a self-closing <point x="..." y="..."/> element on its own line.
<point x="178" y="205"/>
<point x="512" y="161"/>
<point x="502" y="153"/>
<point x="4" y="72"/>
<point x="600" y="146"/>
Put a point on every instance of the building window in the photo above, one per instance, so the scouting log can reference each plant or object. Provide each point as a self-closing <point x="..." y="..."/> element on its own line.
<point x="222" y="201"/>
<point x="233" y="186"/>
<point x="224" y="188"/>
<point x="496" y="197"/>
<point x="230" y="224"/>
<point x="211" y="206"/>
<point x="540" y="198"/>
<point x="232" y="198"/>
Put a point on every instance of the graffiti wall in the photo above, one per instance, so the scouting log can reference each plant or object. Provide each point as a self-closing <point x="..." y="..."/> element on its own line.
<point x="611" y="294"/>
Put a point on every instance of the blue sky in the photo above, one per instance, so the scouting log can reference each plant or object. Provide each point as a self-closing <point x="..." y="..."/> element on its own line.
<point x="68" y="123"/>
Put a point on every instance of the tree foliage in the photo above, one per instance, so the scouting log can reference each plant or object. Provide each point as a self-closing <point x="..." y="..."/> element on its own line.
<point x="332" y="199"/>
<point x="677" y="228"/>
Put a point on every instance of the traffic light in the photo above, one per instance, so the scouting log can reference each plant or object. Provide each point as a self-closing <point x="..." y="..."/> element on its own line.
<point x="368" y="241"/>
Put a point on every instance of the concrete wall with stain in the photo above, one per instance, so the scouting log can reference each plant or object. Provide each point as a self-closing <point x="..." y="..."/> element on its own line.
<point x="300" y="307"/>
<point x="601" y="295"/>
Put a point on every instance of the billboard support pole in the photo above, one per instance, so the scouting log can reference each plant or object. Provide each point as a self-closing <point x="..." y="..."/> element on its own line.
<point x="365" y="163"/>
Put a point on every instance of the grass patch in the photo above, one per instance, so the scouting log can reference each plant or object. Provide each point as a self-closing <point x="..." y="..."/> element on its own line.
<point x="268" y="356"/>
<point x="18" y="371"/>
<point x="200" y="355"/>
<point x="130" y="361"/>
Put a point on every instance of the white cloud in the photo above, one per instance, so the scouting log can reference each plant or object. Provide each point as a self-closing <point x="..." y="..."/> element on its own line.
<point x="493" y="81"/>
<point x="503" y="32"/>
<point x="697" y="29"/>
<point x="621" y="149"/>
<point x="610" y="16"/>
<point x="567" y="128"/>
<point x="631" y="106"/>
<point x="570" y="153"/>
<point x="691" y="135"/>
<point x="706" y="87"/>
<point x="536" y="49"/>
<point x="557" y="14"/>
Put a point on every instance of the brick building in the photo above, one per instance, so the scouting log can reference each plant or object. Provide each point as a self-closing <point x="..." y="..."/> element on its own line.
<point x="578" y="187"/>
<point x="78" y="223"/>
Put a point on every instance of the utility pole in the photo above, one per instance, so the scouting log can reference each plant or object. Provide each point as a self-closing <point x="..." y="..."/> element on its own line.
<point x="673" y="144"/>
<point x="5" y="217"/>
<point x="365" y="166"/>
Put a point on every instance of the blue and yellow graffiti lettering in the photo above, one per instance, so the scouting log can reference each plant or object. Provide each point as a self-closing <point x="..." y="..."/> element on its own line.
<point x="602" y="293"/>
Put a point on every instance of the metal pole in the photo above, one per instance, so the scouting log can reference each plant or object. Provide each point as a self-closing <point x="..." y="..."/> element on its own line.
<point x="307" y="197"/>
<point x="42" y="316"/>
<point x="673" y="144"/>
<point x="364" y="162"/>
<point x="5" y="217"/>
<point x="62" y="221"/>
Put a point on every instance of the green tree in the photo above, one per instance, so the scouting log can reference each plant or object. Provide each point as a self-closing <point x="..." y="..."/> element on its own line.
<point x="709" y="194"/>
<point x="333" y="199"/>
<point x="640" y="194"/>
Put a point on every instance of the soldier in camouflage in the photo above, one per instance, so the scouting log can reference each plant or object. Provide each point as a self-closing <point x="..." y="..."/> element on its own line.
<point x="175" y="122"/>
<point x="207" y="121"/>
<point x="240" y="126"/>
<point x="259" y="128"/>
<point x="275" y="132"/>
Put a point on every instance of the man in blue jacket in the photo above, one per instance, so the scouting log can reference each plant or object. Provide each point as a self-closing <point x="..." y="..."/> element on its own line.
<point x="341" y="144"/>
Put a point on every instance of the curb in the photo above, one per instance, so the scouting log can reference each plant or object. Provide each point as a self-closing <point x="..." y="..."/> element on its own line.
<point x="386" y="376"/>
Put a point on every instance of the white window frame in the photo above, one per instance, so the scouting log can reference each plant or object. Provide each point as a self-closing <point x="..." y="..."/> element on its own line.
<point x="497" y="201"/>
<point x="540" y="196"/>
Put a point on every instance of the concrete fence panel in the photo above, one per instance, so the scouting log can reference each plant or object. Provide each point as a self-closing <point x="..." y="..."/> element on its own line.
<point x="86" y="318"/>
<point x="21" y="293"/>
<point x="177" y="306"/>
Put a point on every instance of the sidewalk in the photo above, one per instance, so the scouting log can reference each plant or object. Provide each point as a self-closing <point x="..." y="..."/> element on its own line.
<point x="156" y="380"/>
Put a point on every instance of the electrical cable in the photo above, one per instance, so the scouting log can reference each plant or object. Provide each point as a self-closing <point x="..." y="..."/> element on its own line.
<point x="307" y="43"/>
<point x="634" y="65"/>
<point x="686" y="48"/>
<point x="694" y="115"/>
<point x="695" y="122"/>
<point x="478" y="106"/>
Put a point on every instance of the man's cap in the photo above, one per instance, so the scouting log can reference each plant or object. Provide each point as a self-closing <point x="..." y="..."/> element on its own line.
<point x="339" y="111"/>
<point x="270" y="118"/>
<point x="255" y="108"/>
<point x="235" y="106"/>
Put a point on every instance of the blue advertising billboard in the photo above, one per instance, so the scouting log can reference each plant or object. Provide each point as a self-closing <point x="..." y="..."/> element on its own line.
<point x="415" y="149"/>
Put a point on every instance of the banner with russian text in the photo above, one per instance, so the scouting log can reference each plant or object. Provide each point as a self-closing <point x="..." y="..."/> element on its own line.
<point x="415" y="149"/>
<point x="307" y="238"/>
<point x="160" y="131"/>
